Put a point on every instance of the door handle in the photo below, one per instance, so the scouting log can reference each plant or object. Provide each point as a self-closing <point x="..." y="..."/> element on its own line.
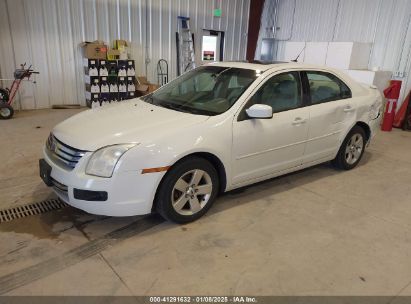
<point x="298" y="121"/>
<point x="348" y="109"/>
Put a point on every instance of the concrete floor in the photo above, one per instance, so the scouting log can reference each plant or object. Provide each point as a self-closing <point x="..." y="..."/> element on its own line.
<point x="315" y="232"/>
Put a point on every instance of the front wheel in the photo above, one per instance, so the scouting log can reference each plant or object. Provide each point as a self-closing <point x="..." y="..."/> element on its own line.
<point x="187" y="191"/>
<point x="6" y="111"/>
<point x="351" y="150"/>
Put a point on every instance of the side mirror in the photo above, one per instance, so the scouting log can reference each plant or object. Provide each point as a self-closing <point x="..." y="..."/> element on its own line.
<point x="260" y="111"/>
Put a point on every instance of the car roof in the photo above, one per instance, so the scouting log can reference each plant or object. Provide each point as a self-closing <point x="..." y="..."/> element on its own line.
<point x="280" y="65"/>
<point x="267" y="65"/>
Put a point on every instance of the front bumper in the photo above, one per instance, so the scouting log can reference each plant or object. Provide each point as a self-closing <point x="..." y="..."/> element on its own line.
<point x="127" y="192"/>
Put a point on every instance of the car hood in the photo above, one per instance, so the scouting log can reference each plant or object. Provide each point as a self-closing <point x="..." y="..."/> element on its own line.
<point x="125" y="122"/>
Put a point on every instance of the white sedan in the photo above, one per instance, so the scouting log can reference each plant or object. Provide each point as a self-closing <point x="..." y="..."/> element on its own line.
<point x="216" y="128"/>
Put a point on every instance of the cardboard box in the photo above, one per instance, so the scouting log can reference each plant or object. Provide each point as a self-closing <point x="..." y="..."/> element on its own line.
<point x="144" y="86"/>
<point x="348" y="55"/>
<point x="122" y="47"/>
<point x="120" y="43"/>
<point x="113" y="54"/>
<point x="94" y="50"/>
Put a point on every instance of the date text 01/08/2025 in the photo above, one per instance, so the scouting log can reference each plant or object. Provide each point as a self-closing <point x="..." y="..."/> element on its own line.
<point x="203" y="299"/>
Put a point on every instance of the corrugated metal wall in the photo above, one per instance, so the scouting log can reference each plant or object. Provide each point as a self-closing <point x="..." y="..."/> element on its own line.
<point x="385" y="23"/>
<point x="47" y="34"/>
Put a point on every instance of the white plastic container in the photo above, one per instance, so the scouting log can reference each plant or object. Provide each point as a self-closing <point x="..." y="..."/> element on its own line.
<point x="348" y="55"/>
<point x="315" y="52"/>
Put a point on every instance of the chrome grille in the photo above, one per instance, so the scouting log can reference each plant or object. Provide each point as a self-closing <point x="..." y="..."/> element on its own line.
<point x="63" y="154"/>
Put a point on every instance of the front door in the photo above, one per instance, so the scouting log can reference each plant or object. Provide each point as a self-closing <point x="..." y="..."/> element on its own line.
<point x="264" y="147"/>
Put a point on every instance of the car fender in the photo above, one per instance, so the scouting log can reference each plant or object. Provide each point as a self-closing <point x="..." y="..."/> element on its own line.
<point x="213" y="136"/>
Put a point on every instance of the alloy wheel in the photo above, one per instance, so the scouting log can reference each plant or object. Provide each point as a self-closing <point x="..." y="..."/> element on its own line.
<point x="354" y="148"/>
<point x="191" y="192"/>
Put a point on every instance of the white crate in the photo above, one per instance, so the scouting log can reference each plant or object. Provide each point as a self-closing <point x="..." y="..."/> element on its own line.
<point x="315" y="52"/>
<point x="378" y="78"/>
<point x="348" y="55"/>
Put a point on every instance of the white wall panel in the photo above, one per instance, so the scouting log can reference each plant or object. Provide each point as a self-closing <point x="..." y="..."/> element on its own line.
<point x="6" y="45"/>
<point x="47" y="33"/>
<point x="384" y="23"/>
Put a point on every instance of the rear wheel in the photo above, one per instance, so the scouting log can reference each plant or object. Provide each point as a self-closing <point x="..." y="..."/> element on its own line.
<point x="187" y="191"/>
<point x="6" y="111"/>
<point x="351" y="150"/>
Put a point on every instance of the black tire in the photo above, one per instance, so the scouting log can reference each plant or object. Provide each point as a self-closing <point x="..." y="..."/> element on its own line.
<point x="4" y="96"/>
<point x="345" y="159"/>
<point x="6" y="111"/>
<point x="167" y="191"/>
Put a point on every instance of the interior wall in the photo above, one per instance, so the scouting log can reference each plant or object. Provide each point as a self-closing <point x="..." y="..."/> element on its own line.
<point x="47" y="34"/>
<point x="384" y="23"/>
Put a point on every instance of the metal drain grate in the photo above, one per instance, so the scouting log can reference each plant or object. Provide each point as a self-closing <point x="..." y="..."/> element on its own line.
<point x="10" y="214"/>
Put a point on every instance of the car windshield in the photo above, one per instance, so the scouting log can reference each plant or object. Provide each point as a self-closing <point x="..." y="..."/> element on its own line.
<point x="207" y="90"/>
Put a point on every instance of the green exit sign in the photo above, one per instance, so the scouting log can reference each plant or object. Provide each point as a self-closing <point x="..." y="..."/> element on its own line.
<point x="217" y="12"/>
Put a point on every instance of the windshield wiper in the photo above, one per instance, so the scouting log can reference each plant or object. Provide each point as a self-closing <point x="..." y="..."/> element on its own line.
<point x="219" y="74"/>
<point x="171" y="106"/>
<point x="149" y="99"/>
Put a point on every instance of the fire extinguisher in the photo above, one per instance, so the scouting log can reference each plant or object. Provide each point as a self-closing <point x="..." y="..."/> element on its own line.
<point x="392" y="93"/>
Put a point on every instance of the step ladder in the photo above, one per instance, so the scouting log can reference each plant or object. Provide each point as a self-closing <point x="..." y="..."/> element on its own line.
<point x="185" y="46"/>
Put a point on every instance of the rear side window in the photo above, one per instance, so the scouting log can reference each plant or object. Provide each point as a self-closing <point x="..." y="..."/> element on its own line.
<point x="325" y="87"/>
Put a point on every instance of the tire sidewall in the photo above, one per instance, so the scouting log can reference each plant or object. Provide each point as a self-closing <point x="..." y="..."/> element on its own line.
<point x="10" y="108"/>
<point x="341" y="155"/>
<point x="163" y="202"/>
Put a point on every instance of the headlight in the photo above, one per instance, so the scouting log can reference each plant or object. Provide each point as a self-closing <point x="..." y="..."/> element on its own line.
<point x="104" y="160"/>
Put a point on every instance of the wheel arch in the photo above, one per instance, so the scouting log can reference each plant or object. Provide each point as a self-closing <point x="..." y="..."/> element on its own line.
<point x="213" y="159"/>
<point x="366" y="129"/>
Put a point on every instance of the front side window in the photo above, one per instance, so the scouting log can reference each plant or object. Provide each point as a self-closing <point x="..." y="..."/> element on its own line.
<point x="282" y="92"/>
<point x="326" y="87"/>
<point x="207" y="90"/>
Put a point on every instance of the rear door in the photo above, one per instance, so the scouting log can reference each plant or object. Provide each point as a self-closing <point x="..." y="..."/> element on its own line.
<point x="331" y="110"/>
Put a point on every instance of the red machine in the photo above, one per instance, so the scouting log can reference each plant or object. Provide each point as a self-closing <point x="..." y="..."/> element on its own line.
<point x="392" y="93"/>
<point x="7" y="95"/>
<point x="401" y="115"/>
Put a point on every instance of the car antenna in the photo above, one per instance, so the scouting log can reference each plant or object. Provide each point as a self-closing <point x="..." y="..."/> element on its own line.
<point x="296" y="59"/>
